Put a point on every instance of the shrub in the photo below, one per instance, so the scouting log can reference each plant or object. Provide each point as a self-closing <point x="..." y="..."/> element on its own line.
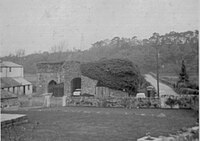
<point x="117" y="74"/>
<point x="193" y="86"/>
<point x="171" y="102"/>
<point x="188" y="91"/>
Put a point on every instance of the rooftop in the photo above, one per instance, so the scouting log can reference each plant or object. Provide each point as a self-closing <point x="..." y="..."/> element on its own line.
<point x="12" y="82"/>
<point x="9" y="64"/>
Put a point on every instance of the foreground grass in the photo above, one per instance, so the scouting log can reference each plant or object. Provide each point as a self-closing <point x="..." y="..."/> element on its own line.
<point x="92" y="124"/>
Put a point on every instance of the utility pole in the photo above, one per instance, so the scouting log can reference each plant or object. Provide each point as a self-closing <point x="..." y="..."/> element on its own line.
<point x="156" y="42"/>
<point x="157" y="69"/>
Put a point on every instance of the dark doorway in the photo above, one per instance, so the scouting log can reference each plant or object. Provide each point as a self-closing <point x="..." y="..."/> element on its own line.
<point x="24" y="89"/>
<point x="51" y="85"/>
<point x="56" y="89"/>
<point x="75" y="84"/>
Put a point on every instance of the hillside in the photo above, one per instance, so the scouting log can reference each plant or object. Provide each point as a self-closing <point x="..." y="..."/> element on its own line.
<point x="173" y="47"/>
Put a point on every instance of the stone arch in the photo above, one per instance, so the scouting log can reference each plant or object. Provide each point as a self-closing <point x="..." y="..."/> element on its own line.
<point x="57" y="89"/>
<point x="75" y="84"/>
<point x="51" y="85"/>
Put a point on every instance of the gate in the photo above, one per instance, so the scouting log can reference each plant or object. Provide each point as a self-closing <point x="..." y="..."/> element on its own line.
<point x="57" y="90"/>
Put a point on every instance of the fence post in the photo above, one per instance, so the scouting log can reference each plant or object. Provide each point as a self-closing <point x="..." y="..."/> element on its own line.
<point x="64" y="100"/>
<point x="47" y="97"/>
<point x="30" y="100"/>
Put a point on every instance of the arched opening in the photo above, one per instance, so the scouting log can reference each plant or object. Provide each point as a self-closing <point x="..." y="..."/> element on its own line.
<point x="76" y="86"/>
<point x="56" y="89"/>
<point x="51" y="86"/>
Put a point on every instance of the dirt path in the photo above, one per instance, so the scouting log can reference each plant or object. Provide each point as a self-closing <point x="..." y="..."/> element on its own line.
<point x="164" y="89"/>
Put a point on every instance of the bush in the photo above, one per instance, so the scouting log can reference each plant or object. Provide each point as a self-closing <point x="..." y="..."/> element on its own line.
<point x="172" y="102"/>
<point x="188" y="91"/>
<point x="193" y="86"/>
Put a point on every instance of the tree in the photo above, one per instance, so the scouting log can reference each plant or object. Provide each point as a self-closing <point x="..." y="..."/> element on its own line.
<point x="20" y="53"/>
<point x="183" y="76"/>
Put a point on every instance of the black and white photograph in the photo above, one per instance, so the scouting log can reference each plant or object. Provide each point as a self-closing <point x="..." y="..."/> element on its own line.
<point x="99" y="70"/>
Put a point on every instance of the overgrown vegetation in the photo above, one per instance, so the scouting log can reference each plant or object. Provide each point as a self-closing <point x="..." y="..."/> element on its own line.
<point x="183" y="76"/>
<point x="115" y="73"/>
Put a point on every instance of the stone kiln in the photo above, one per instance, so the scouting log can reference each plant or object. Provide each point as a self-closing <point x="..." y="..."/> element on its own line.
<point x="63" y="78"/>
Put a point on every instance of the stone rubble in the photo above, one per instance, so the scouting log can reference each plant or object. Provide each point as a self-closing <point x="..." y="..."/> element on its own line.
<point x="192" y="134"/>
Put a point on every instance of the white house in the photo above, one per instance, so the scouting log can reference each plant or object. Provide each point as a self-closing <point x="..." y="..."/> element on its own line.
<point x="10" y="69"/>
<point x="12" y="80"/>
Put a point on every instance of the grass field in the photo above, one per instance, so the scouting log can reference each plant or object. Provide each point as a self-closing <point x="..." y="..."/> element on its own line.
<point x="97" y="124"/>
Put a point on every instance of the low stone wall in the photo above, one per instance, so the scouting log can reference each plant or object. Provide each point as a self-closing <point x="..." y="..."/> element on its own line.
<point x="185" y="102"/>
<point x="191" y="134"/>
<point x="125" y="102"/>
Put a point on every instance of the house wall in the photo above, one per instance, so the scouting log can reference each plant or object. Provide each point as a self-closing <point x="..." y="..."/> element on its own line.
<point x="29" y="90"/>
<point x="103" y="92"/>
<point x="15" y="72"/>
<point x="11" y="89"/>
<point x="19" y="90"/>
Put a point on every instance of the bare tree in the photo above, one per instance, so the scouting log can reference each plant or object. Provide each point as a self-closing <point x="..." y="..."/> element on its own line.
<point x="58" y="48"/>
<point x="20" y="53"/>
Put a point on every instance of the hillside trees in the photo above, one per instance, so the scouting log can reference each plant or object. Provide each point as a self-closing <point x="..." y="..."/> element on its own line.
<point x="173" y="48"/>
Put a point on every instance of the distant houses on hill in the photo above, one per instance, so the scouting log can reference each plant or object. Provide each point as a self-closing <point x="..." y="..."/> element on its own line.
<point x="12" y="79"/>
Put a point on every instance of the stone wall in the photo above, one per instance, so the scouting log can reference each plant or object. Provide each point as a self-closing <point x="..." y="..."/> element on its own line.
<point x="45" y="78"/>
<point x="47" y="72"/>
<point x="106" y="92"/>
<point x="71" y="70"/>
<point x="190" y="134"/>
<point x="88" y="85"/>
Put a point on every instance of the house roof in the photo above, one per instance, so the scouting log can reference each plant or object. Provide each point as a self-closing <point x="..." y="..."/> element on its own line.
<point x="12" y="82"/>
<point x="22" y="81"/>
<point x="9" y="64"/>
<point x="8" y="82"/>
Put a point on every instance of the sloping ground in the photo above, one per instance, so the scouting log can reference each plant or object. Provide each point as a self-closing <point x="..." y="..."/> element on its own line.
<point x="163" y="88"/>
<point x="115" y="73"/>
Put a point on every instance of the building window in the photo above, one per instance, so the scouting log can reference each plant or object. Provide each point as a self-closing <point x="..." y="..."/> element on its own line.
<point x="13" y="89"/>
<point x="10" y="69"/>
<point x="28" y="87"/>
<point x="8" y="89"/>
<point x="0" y="69"/>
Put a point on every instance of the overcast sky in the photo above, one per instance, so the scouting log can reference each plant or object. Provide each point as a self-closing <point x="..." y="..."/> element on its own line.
<point x="37" y="25"/>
